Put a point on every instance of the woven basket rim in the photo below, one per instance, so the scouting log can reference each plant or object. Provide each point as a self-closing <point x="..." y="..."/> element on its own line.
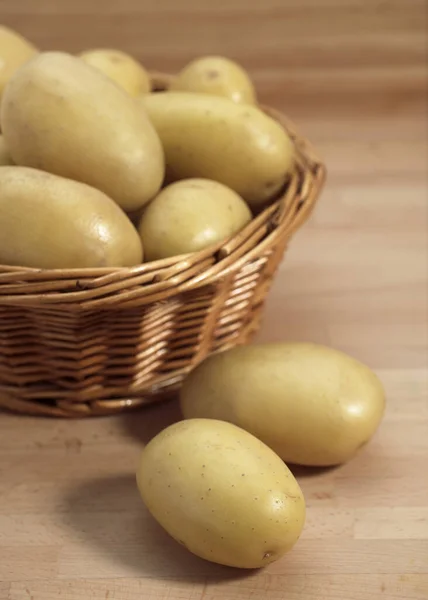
<point x="90" y="287"/>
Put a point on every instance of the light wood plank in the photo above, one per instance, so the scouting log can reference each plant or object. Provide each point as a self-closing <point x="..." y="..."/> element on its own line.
<point x="361" y="587"/>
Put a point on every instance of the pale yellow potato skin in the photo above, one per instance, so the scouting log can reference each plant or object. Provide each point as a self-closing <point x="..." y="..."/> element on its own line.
<point x="221" y="493"/>
<point x="213" y="138"/>
<point x="122" y="68"/>
<point x="14" y="52"/>
<point x="190" y="215"/>
<point x="311" y="404"/>
<point x="49" y="222"/>
<point x="63" y="116"/>
<point x="217" y="76"/>
<point x="5" y="157"/>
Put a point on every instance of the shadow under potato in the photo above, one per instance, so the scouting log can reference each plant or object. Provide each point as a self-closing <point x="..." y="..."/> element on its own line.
<point x="303" y="472"/>
<point x="109" y="515"/>
<point x="150" y="420"/>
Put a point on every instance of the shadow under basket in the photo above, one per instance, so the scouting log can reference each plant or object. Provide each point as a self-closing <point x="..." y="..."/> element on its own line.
<point x="86" y="342"/>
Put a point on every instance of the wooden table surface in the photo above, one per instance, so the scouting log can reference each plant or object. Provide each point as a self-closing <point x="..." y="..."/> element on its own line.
<point x="353" y="75"/>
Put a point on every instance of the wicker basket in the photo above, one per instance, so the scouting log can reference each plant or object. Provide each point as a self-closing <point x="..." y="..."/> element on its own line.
<point x="85" y="342"/>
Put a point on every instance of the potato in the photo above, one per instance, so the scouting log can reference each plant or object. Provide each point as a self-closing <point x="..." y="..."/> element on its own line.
<point x="83" y="127"/>
<point x="218" y="76"/>
<point x="311" y="404"/>
<point x="122" y="68"/>
<point x="221" y="493"/>
<point x="50" y="222"/>
<point x="190" y="215"/>
<point x="5" y="158"/>
<point x="214" y="138"/>
<point x="14" y="52"/>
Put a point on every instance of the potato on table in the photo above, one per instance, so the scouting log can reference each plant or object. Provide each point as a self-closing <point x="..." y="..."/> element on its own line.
<point x="221" y="493"/>
<point x="311" y="404"/>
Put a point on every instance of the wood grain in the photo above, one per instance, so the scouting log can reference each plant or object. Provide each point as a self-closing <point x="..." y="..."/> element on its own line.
<point x="353" y="75"/>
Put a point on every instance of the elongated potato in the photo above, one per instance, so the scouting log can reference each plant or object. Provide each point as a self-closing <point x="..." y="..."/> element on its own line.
<point x="49" y="222"/>
<point x="311" y="404"/>
<point x="62" y="116"/>
<point x="214" y="138"/>
<point x="221" y="493"/>
<point x="14" y="52"/>
<point x="217" y="76"/>
<point x="122" y="68"/>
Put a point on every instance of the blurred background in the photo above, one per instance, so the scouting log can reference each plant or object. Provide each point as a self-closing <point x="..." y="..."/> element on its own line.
<point x="329" y="58"/>
<point x="352" y="75"/>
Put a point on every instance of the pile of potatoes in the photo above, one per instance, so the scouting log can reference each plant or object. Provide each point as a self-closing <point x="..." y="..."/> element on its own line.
<point x="98" y="170"/>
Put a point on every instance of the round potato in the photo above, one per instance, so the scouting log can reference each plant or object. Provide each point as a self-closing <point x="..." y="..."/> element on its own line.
<point x="5" y="157"/>
<point x="221" y="493"/>
<point x="84" y="127"/>
<point x="218" y="76"/>
<point x="213" y="138"/>
<point x="122" y="68"/>
<point x="190" y="215"/>
<point x="49" y="222"/>
<point x="311" y="404"/>
<point x="14" y="52"/>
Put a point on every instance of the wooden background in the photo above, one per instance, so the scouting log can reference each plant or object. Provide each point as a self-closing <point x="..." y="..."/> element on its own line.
<point x="353" y="75"/>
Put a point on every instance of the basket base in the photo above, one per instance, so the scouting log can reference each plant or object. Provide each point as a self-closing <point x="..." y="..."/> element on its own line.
<point x="164" y="389"/>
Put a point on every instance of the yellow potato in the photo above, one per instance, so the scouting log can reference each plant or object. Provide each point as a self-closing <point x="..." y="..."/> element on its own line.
<point x="221" y="493"/>
<point x="190" y="215"/>
<point x="214" y="138"/>
<point x="311" y="404"/>
<point x="218" y="76"/>
<point x="14" y="52"/>
<point x="5" y="158"/>
<point x="82" y="126"/>
<point x="49" y="222"/>
<point x="122" y="68"/>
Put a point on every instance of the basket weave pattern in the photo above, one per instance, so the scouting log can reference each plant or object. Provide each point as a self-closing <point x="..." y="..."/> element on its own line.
<point x="99" y="341"/>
